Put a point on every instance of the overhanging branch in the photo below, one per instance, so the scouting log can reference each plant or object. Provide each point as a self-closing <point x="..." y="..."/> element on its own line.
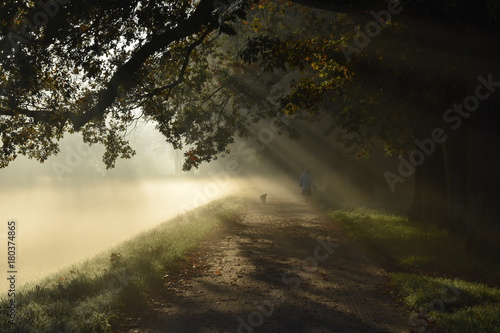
<point x="38" y="115"/>
<point x="201" y="17"/>
<point x="184" y="66"/>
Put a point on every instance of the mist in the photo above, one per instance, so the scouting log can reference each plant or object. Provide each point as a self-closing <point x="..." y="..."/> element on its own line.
<point x="71" y="208"/>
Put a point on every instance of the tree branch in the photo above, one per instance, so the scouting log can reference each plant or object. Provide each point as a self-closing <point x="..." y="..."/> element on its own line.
<point x="185" y="64"/>
<point x="36" y="116"/>
<point x="201" y="17"/>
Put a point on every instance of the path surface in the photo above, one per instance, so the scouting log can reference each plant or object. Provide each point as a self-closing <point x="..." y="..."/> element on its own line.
<point x="284" y="267"/>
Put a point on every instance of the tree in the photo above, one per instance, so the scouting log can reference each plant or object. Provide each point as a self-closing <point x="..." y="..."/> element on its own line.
<point x="91" y="66"/>
<point x="455" y="43"/>
<point x="96" y="66"/>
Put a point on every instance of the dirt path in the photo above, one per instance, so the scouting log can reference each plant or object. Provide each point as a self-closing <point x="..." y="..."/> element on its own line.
<point x="283" y="268"/>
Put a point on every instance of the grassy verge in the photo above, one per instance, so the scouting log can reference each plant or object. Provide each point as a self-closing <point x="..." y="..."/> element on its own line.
<point x="437" y="271"/>
<point x="88" y="297"/>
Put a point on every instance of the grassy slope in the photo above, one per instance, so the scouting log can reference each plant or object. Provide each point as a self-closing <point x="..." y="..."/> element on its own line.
<point x="435" y="269"/>
<point x="87" y="297"/>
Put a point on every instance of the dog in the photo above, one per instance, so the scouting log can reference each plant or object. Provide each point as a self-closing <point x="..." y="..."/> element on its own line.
<point x="263" y="198"/>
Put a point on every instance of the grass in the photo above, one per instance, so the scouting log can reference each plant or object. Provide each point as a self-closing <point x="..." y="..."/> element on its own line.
<point x="89" y="297"/>
<point x="457" y="305"/>
<point x="437" y="275"/>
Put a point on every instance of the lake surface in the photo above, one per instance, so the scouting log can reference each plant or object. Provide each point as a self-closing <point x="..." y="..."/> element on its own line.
<point x="60" y="224"/>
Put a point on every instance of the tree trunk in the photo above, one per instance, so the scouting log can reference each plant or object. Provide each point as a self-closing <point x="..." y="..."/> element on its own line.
<point x="430" y="196"/>
<point x="482" y="193"/>
<point x="455" y="155"/>
<point x="482" y="207"/>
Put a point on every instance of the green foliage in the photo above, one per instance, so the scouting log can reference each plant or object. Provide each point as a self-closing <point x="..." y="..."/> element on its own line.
<point x="414" y="246"/>
<point x="96" y="67"/>
<point x="484" y="318"/>
<point x="326" y="86"/>
<point x="422" y="291"/>
<point x="458" y="305"/>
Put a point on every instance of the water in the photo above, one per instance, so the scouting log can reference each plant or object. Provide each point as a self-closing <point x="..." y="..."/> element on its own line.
<point x="60" y="224"/>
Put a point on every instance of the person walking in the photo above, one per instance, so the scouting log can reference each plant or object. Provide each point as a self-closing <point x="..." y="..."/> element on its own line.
<point x="306" y="183"/>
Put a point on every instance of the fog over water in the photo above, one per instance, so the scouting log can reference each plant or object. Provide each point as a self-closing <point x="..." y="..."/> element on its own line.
<point x="71" y="208"/>
<point x="60" y="225"/>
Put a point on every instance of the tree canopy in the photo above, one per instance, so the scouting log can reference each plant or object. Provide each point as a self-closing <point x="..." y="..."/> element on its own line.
<point x="94" y="67"/>
<point x="193" y="67"/>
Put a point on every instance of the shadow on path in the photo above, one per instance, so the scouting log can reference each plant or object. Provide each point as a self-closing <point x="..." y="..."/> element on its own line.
<point x="284" y="267"/>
